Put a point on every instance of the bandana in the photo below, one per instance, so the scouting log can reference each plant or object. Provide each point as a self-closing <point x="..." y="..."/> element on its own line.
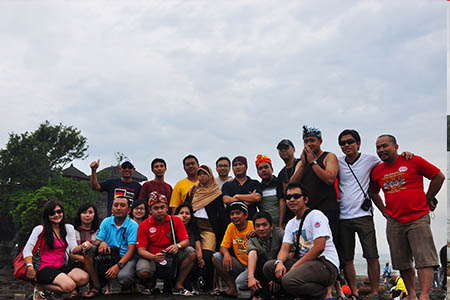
<point x="262" y="158"/>
<point x="241" y="159"/>
<point x="156" y="197"/>
<point x="311" y="131"/>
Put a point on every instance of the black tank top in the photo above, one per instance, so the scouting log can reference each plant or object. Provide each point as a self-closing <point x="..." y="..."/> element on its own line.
<point x="322" y="196"/>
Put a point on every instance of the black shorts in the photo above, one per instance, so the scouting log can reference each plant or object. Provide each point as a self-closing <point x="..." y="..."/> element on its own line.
<point x="47" y="275"/>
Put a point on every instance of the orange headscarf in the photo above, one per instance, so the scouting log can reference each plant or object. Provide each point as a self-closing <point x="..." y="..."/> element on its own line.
<point x="262" y="158"/>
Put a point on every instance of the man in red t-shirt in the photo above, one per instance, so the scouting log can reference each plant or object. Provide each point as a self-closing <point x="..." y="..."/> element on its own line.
<point x="155" y="239"/>
<point x="407" y="205"/>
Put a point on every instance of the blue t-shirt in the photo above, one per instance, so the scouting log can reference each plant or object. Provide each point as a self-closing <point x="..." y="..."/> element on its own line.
<point x="121" y="237"/>
<point x="116" y="187"/>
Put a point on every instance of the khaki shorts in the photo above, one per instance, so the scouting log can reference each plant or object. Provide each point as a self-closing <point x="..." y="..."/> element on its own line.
<point x="411" y="240"/>
<point x="365" y="229"/>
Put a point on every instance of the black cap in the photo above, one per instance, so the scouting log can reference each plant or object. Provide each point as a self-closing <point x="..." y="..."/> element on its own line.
<point x="285" y="143"/>
<point x="237" y="205"/>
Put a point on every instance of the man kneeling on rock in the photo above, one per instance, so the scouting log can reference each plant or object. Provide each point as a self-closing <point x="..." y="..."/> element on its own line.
<point x="315" y="264"/>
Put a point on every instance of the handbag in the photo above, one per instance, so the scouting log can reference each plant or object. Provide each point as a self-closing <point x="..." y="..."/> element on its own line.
<point x="167" y="269"/>
<point x="104" y="261"/>
<point x="20" y="269"/>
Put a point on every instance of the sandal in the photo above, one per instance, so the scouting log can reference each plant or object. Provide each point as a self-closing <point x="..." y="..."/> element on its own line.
<point x="352" y="297"/>
<point x="92" y="293"/>
<point x="182" y="292"/>
<point x="74" y="294"/>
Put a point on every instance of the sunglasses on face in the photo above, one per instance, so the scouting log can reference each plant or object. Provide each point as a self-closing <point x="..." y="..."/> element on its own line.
<point x="350" y="141"/>
<point x="296" y="196"/>
<point x="58" y="211"/>
<point x="127" y="167"/>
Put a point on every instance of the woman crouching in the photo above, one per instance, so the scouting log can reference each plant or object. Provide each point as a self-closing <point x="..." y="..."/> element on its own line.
<point x="53" y="275"/>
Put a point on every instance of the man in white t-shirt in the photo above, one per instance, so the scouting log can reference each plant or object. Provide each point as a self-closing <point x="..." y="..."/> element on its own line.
<point x="315" y="265"/>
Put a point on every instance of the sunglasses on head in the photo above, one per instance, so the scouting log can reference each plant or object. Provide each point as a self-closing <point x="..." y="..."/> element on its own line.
<point x="296" y="196"/>
<point x="350" y="141"/>
<point x="58" y="211"/>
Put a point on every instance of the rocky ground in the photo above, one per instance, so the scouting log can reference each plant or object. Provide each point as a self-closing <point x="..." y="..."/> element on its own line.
<point x="11" y="288"/>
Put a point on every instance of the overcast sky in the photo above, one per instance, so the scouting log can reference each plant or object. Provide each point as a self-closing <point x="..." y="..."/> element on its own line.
<point x="168" y="78"/>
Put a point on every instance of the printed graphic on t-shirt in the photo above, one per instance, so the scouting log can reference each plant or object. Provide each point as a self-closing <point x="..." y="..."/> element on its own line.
<point x="241" y="244"/>
<point x="394" y="182"/>
<point x="122" y="192"/>
<point x="304" y="245"/>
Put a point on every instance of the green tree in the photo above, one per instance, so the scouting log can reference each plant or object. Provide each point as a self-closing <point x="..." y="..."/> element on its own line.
<point x="27" y="210"/>
<point x="29" y="158"/>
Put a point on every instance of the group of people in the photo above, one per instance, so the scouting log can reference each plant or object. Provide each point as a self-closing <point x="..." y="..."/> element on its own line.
<point x="288" y="235"/>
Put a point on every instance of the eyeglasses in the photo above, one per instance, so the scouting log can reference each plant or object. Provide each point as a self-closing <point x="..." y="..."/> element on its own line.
<point x="139" y="208"/>
<point x="58" y="211"/>
<point x="296" y="196"/>
<point x="350" y="141"/>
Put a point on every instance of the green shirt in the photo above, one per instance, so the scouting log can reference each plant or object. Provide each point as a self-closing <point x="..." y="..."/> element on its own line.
<point x="269" y="247"/>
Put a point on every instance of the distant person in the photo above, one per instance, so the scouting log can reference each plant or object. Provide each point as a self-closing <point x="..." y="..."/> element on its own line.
<point x="179" y="193"/>
<point x="233" y="267"/>
<point x="398" y="291"/>
<point x="53" y="275"/>
<point x="387" y="272"/>
<point x="159" y="168"/>
<point x="269" y="200"/>
<point x="407" y="206"/>
<point x="124" y="186"/>
<point x="223" y="166"/>
<point x="315" y="265"/>
<point x="286" y="151"/>
<point x="242" y="187"/>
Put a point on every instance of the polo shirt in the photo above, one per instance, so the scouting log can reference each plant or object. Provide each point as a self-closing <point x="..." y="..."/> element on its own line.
<point x="233" y="187"/>
<point x="121" y="237"/>
<point x="155" y="236"/>
<point x="269" y="247"/>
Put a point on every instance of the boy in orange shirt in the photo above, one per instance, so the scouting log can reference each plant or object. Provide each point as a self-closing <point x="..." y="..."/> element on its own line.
<point x="233" y="269"/>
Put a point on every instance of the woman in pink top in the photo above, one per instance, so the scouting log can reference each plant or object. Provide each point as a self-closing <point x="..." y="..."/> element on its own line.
<point x="53" y="275"/>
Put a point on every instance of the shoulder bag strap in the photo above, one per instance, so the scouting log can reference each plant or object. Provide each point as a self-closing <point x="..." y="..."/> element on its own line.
<point x="39" y="242"/>
<point x="356" y="178"/>
<point x="297" y="244"/>
<point x="174" y="237"/>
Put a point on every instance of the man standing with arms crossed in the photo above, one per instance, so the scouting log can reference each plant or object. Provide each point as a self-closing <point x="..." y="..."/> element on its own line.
<point x="407" y="205"/>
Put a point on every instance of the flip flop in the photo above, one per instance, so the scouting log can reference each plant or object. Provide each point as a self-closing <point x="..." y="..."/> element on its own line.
<point x="92" y="293"/>
<point x="182" y="292"/>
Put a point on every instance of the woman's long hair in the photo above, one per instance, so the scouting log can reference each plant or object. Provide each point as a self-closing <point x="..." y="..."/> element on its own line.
<point x="136" y="204"/>
<point x="95" y="222"/>
<point x="49" y="206"/>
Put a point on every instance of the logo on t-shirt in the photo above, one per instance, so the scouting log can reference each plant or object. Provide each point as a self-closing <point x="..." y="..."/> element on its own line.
<point x="304" y="245"/>
<point x="394" y="182"/>
<point x="152" y="229"/>
<point x="403" y="169"/>
<point x="317" y="225"/>
<point x="241" y="244"/>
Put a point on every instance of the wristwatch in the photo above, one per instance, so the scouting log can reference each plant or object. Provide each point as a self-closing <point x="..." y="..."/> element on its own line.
<point x="277" y="261"/>
<point x="179" y="246"/>
<point x="314" y="162"/>
<point x="29" y="265"/>
<point x="120" y="265"/>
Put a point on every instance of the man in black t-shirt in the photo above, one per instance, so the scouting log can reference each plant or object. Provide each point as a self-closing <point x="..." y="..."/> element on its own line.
<point x="286" y="151"/>
<point x="242" y="188"/>
<point x="115" y="187"/>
